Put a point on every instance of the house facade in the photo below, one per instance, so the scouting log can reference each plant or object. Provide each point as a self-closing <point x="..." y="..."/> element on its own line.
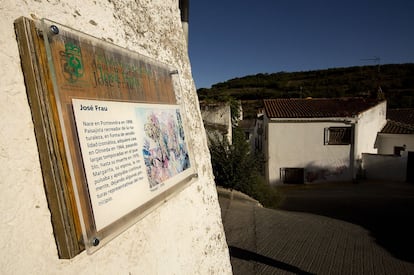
<point x="398" y="134"/>
<point x="395" y="144"/>
<point x="315" y="140"/>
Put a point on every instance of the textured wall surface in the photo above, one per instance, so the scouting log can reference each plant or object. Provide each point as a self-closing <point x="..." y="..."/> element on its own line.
<point x="369" y="125"/>
<point x="217" y="119"/>
<point x="184" y="235"/>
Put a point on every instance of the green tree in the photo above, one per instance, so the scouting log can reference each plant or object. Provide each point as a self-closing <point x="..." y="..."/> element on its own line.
<point x="233" y="165"/>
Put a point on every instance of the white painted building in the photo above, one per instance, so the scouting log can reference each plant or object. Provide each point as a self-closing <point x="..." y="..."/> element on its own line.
<point x="398" y="134"/>
<point x="395" y="143"/>
<point x="314" y="140"/>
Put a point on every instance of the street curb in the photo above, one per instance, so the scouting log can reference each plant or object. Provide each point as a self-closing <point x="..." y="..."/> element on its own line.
<point x="236" y="195"/>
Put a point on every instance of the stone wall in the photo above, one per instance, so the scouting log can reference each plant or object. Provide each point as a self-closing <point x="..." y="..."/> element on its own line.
<point x="183" y="236"/>
<point x="217" y="120"/>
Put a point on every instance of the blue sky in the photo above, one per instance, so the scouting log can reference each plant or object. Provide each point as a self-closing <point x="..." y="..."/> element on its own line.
<point x="230" y="38"/>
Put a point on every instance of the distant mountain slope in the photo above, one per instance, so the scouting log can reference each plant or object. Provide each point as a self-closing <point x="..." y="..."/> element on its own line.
<point x="395" y="80"/>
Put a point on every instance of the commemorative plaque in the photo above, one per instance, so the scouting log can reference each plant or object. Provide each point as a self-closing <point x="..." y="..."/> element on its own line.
<point x="117" y="128"/>
<point x="130" y="153"/>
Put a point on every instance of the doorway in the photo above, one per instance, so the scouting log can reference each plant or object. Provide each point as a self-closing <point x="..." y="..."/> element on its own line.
<point x="410" y="167"/>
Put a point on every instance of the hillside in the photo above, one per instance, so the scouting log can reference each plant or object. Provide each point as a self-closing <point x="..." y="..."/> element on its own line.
<point x="395" y="80"/>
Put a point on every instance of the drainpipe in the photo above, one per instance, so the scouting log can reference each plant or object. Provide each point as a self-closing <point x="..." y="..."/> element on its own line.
<point x="354" y="162"/>
<point x="183" y="5"/>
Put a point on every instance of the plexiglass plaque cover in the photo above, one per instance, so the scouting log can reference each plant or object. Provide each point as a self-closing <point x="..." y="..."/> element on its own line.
<point x="122" y="129"/>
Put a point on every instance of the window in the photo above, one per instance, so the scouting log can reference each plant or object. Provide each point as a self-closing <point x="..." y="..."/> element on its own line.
<point x="292" y="175"/>
<point x="337" y="136"/>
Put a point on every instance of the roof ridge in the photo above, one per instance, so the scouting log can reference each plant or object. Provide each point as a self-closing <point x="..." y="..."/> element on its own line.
<point x="402" y="124"/>
<point x="318" y="107"/>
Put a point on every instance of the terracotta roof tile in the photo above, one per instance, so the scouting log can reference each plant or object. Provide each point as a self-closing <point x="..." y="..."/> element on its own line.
<point x="393" y="127"/>
<point x="405" y="116"/>
<point x="399" y="121"/>
<point x="317" y="107"/>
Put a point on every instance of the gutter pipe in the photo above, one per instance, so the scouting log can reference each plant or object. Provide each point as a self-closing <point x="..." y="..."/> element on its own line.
<point x="184" y="11"/>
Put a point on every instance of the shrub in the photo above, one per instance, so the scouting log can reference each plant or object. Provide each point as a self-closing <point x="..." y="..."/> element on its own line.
<point x="266" y="194"/>
<point x="235" y="167"/>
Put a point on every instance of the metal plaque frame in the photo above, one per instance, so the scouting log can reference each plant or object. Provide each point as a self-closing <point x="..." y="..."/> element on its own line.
<point x="67" y="74"/>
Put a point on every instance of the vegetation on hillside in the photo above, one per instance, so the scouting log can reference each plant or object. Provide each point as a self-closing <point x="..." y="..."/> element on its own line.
<point x="395" y="80"/>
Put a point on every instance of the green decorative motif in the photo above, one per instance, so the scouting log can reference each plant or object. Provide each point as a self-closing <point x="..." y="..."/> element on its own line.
<point x="72" y="62"/>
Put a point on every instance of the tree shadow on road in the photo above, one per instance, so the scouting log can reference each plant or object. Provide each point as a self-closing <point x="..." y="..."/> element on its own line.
<point x="247" y="255"/>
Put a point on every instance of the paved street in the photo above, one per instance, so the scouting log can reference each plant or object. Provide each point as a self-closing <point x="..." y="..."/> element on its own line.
<point x="323" y="229"/>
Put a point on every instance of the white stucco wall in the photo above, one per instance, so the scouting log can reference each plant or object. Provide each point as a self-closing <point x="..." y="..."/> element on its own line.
<point x="301" y="145"/>
<point x="386" y="142"/>
<point x="183" y="236"/>
<point x="385" y="167"/>
<point x="367" y="128"/>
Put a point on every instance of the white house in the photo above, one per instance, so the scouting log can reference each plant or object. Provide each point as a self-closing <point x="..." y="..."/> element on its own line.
<point x="395" y="142"/>
<point x="398" y="134"/>
<point x="314" y="140"/>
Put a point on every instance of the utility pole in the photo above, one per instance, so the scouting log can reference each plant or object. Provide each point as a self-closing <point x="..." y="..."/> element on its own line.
<point x="377" y="60"/>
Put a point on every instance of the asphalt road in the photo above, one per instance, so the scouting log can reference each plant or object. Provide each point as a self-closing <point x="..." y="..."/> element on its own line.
<point x="340" y="228"/>
<point x="385" y="209"/>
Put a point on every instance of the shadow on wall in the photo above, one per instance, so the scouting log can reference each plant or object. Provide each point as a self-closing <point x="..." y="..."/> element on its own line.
<point x="314" y="173"/>
<point x="385" y="167"/>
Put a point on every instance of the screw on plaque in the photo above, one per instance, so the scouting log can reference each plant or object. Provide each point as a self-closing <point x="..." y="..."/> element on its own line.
<point x="95" y="242"/>
<point x="54" y="29"/>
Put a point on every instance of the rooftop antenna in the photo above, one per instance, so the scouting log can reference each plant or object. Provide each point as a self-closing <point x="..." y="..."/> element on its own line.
<point x="377" y="60"/>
